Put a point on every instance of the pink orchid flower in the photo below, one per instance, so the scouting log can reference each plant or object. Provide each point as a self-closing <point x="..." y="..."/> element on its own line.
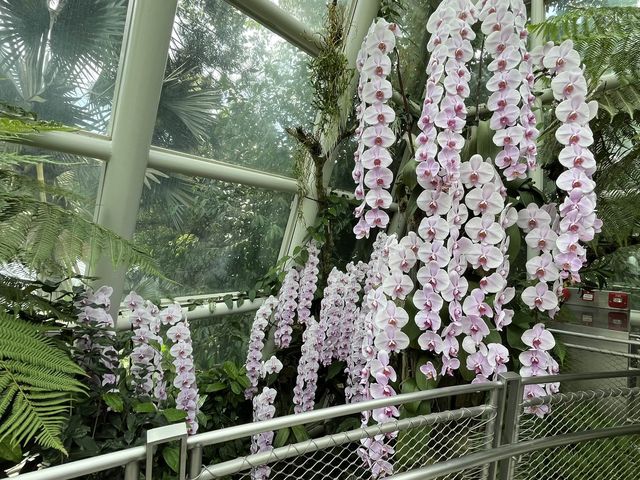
<point x="378" y="90"/>
<point x="376" y="218"/>
<point x="542" y="268"/>
<point x="397" y="285"/>
<point x="475" y="327"/>
<point x="434" y="252"/>
<point x="430" y="341"/>
<point x="492" y="283"/>
<point x="377" y="65"/>
<point x="392" y="340"/>
<point x="476" y="172"/>
<point x="485" y="199"/>
<point x="541" y="238"/>
<point x="433" y="228"/>
<point x="378" y="198"/>
<point x="432" y="274"/>
<point x="434" y="202"/>
<point x="429" y="371"/>
<point x="562" y="58"/>
<point x="532" y="217"/>
<point x="539" y="297"/>
<point x="428" y="320"/>
<point x="378" y="177"/>
<point x="427" y="299"/>
<point x="456" y="289"/>
<point x="484" y="230"/>
<point x="392" y="316"/>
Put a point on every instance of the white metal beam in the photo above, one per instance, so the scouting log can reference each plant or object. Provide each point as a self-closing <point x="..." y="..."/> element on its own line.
<point x="135" y="109"/>
<point x="281" y="23"/>
<point x="172" y="161"/>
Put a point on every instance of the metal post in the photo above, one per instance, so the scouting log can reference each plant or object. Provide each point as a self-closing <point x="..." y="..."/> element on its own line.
<point x="511" y="421"/>
<point x="195" y="462"/>
<point x="134" y="117"/>
<point x="498" y="401"/>
<point x="131" y="471"/>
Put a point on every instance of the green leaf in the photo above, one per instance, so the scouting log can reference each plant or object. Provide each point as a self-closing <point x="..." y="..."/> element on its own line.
<point x="300" y="433"/>
<point x="114" y="401"/>
<point x="560" y="351"/>
<point x="174" y="415"/>
<point x="171" y="457"/>
<point x="213" y="387"/>
<point x="281" y="437"/>
<point x="144" y="407"/>
<point x="334" y="369"/>
<point x="236" y="388"/>
<point x="230" y="369"/>
<point x="228" y="301"/>
<point x="514" y="334"/>
<point x="10" y="451"/>
<point x="493" y="337"/>
<point x="514" y="242"/>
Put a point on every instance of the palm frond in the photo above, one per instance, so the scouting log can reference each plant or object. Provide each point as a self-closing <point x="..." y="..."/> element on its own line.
<point x="37" y="381"/>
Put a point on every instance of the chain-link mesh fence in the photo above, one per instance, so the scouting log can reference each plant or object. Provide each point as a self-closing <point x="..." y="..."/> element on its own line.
<point x="420" y="441"/>
<point x="582" y="406"/>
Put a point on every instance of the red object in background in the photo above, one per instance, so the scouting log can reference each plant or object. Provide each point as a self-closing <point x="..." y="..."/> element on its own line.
<point x="618" y="321"/>
<point x="618" y="300"/>
<point x="566" y="294"/>
<point x="587" y="295"/>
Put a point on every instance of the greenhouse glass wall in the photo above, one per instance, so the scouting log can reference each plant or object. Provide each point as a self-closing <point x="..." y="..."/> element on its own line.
<point x="321" y="239"/>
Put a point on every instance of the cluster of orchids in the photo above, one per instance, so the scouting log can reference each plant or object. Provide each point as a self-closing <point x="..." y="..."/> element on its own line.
<point x="511" y="86"/>
<point x="374" y="137"/>
<point x="455" y="267"/>
<point x="555" y="233"/>
<point x="537" y="361"/>
<point x="93" y="310"/>
<point x="150" y="328"/>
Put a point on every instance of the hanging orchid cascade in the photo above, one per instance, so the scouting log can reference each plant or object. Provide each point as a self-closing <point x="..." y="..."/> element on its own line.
<point x="455" y="268"/>
<point x="153" y="327"/>
<point x="372" y="157"/>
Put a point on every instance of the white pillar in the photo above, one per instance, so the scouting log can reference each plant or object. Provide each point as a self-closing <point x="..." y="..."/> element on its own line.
<point x="140" y="83"/>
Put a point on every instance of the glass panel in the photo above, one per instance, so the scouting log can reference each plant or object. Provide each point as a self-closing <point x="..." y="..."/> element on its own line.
<point x="78" y="175"/>
<point x="220" y="339"/>
<point x="206" y="235"/>
<point x="59" y="58"/>
<point x="309" y="12"/>
<point x="341" y="178"/>
<point x="231" y="88"/>
<point x="558" y="7"/>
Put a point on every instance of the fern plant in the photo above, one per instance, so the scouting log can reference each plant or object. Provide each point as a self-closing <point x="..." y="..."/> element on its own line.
<point x="37" y="381"/>
<point x="44" y="236"/>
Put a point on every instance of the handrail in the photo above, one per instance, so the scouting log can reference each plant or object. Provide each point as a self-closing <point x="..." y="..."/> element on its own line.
<point x="87" y="466"/>
<point x="594" y="337"/>
<point x="490" y="456"/>
<point x="246" y="430"/>
<point x="244" y="463"/>
<point x="570" y="377"/>
<point x="573" y="396"/>
<point x="602" y="350"/>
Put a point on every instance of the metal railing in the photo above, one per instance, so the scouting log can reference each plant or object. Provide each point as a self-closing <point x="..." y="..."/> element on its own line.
<point x="475" y="432"/>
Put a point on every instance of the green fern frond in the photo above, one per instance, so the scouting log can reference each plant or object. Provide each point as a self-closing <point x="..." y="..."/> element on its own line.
<point x="35" y="231"/>
<point x="603" y="35"/>
<point x="624" y="98"/>
<point x="37" y="383"/>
